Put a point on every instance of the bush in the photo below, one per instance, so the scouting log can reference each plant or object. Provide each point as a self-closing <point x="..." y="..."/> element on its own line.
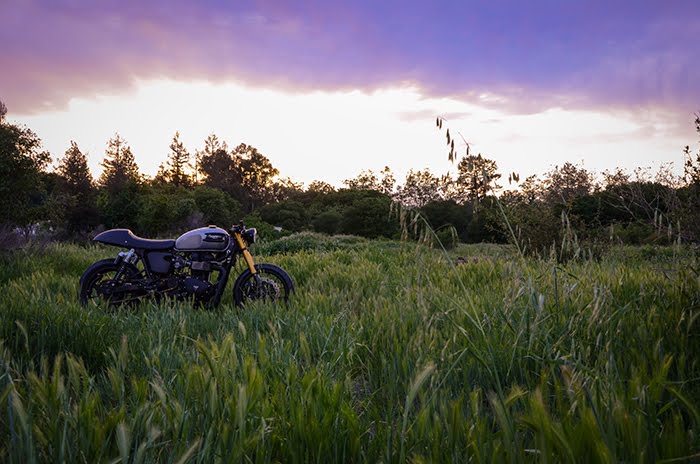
<point x="368" y="216"/>
<point x="328" y="222"/>
<point x="309" y="241"/>
<point x="289" y="214"/>
<point x="217" y="207"/>
<point x="265" y="230"/>
<point x="449" y="213"/>
<point x="447" y="237"/>
<point x="122" y="209"/>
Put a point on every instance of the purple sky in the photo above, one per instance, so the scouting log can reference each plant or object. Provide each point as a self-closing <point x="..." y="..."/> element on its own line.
<point x="326" y="89"/>
<point x="539" y="53"/>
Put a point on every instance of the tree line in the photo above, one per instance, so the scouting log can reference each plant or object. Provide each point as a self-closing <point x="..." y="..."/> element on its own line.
<point x="218" y="184"/>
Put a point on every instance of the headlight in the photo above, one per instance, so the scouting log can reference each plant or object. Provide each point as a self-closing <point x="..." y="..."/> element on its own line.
<point x="250" y="235"/>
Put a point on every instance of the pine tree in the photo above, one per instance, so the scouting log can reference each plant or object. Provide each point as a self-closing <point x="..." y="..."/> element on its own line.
<point x="119" y="165"/>
<point x="77" y="194"/>
<point x="119" y="199"/>
<point x="211" y="145"/>
<point x="175" y="170"/>
<point x="74" y="171"/>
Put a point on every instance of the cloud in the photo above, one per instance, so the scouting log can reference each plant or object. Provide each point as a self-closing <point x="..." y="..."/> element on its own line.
<point x="527" y="56"/>
<point x="429" y="114"/>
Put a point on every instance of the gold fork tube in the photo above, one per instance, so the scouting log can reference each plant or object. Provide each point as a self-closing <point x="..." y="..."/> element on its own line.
<point x="246" y="254"/>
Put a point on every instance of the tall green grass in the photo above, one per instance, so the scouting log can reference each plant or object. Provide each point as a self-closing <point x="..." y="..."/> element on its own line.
<point x="389" y="352"/>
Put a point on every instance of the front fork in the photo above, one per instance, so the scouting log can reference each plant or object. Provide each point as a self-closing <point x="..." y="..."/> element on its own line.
<point x="246" y="254"/>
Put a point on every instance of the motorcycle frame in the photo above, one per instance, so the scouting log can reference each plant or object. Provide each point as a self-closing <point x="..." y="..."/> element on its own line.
<point x="236" y="246"/>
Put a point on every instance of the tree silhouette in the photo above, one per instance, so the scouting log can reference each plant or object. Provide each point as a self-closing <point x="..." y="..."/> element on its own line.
<point x="175" y="169"/>
<point x="419" y="188"/>
<point x="476" y="178"/>
<point x="692" y="166"/>
<point x="691" y="214"/>
<point x="77" y="194"/>
<point x="74" y="171"/>
<point x="369" y="180"/>
<point x="319" y="186"/>
<point x="387" y="181"/>
<point x="365" y="180"/>
<point x="284" y="189"/>
<point x="220" y="170"/>
<point x="21" y="164"/>
<point x="119" y="165"/>
<point x="257" y="175"/>
<point x="120" y="198"/>
<point x="212" y="144"/>
<point x="566" y="183"/>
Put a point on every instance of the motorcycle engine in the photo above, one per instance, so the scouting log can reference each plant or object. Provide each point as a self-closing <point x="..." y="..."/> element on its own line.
<point x="193" y="276"/>
<point x="196" y="287"/>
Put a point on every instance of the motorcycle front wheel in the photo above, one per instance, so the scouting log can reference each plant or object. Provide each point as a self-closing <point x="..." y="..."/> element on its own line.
<point x="270" y="283"/>
<point x="99" y="281"/>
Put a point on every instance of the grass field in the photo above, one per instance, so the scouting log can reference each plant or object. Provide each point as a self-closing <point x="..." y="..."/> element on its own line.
<point x="388" y="353"/>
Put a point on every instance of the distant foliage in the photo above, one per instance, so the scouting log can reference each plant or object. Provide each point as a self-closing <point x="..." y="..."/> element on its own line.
<point x="216" y="207"/>
<point x="120" y="168"/>
<point x="692" y="162"/>
<point x="561" y="213"/>
<point x="176" y="170"/>
<point x="569" y="213"/>
<point x="219" y="168"/>
<point x="383" y="182"/>
<point x="309" y="241"/>
<point x="257" y="176"/>
<point x="477" y="177"/>
<point x="321" y="187"/>
<point x="419" y="189"/>
<point x="563" y="185"/>
<point x="76" y="195"/>
<point x="22" y="160"/>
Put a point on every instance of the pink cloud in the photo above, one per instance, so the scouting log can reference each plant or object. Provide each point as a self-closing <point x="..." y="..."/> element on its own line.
<point x="535" y="56"/>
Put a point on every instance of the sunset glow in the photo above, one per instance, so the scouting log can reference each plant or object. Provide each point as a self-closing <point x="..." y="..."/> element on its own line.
<point x="327" y="91"/>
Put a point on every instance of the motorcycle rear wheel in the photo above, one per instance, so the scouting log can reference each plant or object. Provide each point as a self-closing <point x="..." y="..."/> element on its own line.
<point x="96" y="280"/>
<point x="271" y="283"/>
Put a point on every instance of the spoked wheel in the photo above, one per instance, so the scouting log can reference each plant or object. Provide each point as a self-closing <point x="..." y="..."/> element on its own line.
<point x="102" y="282"/>
<point x="271" y="283"/>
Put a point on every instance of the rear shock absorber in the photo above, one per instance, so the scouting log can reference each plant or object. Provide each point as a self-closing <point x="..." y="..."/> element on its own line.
<point x="125" y="258"/>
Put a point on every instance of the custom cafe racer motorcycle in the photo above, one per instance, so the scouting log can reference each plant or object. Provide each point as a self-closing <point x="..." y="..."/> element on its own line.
<point x="194" y="267"/>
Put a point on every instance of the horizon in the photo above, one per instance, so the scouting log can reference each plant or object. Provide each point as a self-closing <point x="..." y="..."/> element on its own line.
<point x="328" y="91"/>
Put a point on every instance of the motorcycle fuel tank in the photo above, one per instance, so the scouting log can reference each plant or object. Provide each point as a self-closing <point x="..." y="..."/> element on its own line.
<point x="210" y="238"/>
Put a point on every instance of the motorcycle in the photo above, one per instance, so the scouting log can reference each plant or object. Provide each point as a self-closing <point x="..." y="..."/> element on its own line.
<point x="196" y="266"/>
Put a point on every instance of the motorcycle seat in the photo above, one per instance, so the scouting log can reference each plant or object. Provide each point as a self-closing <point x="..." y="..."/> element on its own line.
<point x="125" y="238"/>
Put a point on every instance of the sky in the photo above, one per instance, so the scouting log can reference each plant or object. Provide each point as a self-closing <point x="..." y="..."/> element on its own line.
<point x="326" y="89"/>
